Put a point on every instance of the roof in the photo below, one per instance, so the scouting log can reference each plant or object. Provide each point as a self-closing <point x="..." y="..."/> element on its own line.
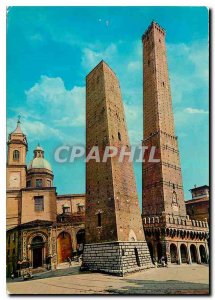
<point x="200" y="187"/>
<point x="18" y="129"/>
<point x="38" y="148"/>
<point x="193" y="201"/>
<point x="71" y="195"/>
<point x="39" y="163"/>
<point x="103" y="63"/>
<point x="35" y="223"/>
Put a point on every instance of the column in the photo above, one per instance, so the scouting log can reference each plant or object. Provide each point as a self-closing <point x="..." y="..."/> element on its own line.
<point x="207" y="252"/>
<point x="155" y="253"/>
<point x="189" y="255"/>
<point x="198" y="255"/>
<point x="179" y="254"/>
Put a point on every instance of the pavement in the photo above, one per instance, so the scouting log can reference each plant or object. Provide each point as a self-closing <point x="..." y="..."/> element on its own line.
<point x="184" y="279"/>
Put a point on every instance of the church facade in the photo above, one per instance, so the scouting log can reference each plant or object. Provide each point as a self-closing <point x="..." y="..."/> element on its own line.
<point x="43" y="228"/>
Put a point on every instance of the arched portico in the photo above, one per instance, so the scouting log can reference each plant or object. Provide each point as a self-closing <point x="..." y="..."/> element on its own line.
<point x="193" y="253"/>
<point x="183" y="252"/>
<point x="173" y="253"/>
<point x="203" y="254"/>
<point x="150" y="249"/>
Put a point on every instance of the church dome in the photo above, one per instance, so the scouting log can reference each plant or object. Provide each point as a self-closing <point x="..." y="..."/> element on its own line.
<point x="39" y="162"/>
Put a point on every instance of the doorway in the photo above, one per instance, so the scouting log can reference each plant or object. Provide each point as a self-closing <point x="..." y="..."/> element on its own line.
<point x="37" y="257"/>
<point x="37" y="246"/>
<point x="64" y="247"/>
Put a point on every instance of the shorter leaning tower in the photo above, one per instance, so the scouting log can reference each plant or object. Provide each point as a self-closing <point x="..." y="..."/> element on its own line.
<point x="115" y="241"/>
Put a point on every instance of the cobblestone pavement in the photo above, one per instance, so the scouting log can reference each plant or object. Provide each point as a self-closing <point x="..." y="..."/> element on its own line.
<point x="182" y="279"/>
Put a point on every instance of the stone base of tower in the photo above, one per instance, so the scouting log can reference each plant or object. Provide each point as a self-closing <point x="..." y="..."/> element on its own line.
<point x="117" y="258"/>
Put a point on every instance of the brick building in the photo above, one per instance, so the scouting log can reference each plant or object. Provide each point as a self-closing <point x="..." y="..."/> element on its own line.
<point x="41" y="225"/>
<point x="115" y="241"/>
<point x="168" y="229"/>
<point x="198" y="207"/>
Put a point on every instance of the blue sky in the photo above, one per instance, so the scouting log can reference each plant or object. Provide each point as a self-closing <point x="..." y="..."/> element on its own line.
<point x="51" y="49"/>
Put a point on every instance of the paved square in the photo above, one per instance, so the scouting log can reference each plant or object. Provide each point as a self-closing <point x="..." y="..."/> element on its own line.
<point x="183" y="279"/>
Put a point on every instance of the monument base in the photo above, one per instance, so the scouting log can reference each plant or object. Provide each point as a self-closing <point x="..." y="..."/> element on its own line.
<point x="117" y="258"/>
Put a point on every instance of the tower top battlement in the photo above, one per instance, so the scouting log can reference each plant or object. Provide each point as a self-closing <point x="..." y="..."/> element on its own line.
<point x="153" y="25"/>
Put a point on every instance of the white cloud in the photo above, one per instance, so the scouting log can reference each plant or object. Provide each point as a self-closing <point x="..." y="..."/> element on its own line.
<point x="92" y="57"/>
<point x="191" y="110"/>
<point x="52" y="112"/>
<point x="188" y="66"/>
<point x="62" y="107"/>
<point x="35" y="130"/>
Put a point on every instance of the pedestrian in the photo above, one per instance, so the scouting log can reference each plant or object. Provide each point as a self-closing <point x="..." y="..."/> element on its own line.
<point x="69" y="261"/>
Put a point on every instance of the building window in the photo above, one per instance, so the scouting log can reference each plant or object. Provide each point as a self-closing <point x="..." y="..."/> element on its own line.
<point x="39" y="203"/>
<point x="99" y="219"/>
<point x="38" y="182"/>
<point x="49" y="183"/>
<point x="119" y="136"/>
<point x="80" y="208"/>
<point x="66" y="209"/>
<point x="29" y="183"/>
<point x="16" y="155"/>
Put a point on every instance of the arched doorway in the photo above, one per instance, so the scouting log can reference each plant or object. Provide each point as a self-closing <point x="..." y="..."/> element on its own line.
<point x="150" y="249"/>
<point x="159" y="251"/>
<point x="37" y="246"/>
<point x="183" y="250"/>
<point x="173" y="253"/>
<point x="203" y="254"/>
<point x="193" y="253"/>
<point x="64" y="246"/>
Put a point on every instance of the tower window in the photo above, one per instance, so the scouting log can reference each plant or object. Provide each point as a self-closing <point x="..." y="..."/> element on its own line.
<point x="38" y="182"/>
<point x="119" y="136"/>
<point x="16" y="155"/>
<point x="99" y="219"/>
<point x="39" y="203"/>
<point x="174" y="197"/>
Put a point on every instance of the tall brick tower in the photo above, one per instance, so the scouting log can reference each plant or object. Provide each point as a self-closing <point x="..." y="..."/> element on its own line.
<point x="162" y="181"/>
<point x="115" y="241"/>
<point x="168" y="230"/>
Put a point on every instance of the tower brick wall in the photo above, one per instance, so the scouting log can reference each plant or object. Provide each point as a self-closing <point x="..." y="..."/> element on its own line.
<point x="111" y="187"/>
<point x="114" y="229"/>
<point x="162" y="181"/>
